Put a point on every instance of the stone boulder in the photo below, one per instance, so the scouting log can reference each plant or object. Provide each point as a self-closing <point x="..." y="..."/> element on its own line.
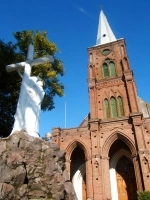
<point x="32" y="168"/>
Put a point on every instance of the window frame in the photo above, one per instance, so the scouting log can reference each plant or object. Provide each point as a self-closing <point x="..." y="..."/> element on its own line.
<point x="108" y="114"/>
<point x="119" y="110"/>
<point x="111" y="107"/>
<point x="107" y="63"/>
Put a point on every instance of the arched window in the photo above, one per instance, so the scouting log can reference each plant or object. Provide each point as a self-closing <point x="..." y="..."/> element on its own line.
<point x="105" y="70"/>
<point x="107" y="60"/>
<point x="109" y="68"/>
<point x="112" y="69"/>
<point x="113" y="106"/>
<point x="106" y="108"/>
<point x="120" y="106"/>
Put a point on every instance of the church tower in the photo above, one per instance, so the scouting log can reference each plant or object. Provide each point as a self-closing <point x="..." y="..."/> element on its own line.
<point x="108" y="155"/>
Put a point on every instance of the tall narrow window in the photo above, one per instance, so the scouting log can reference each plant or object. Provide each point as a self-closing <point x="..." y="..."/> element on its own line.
<point x="105" y="70"/>
<point x="113" y="107"/>
<point x="120" y="106"/>
<point x="112" y="69"/>
<point x="108" y="68"/>
<point x="106" y="108"/>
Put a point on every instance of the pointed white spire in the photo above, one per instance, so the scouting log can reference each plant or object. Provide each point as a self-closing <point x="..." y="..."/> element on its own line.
<point x="104" y="34"/>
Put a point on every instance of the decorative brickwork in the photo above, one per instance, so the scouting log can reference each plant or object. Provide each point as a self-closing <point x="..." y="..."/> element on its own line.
<point x="117" y="129"/>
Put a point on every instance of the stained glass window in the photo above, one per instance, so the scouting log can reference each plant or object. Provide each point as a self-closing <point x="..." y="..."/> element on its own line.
<point x="112" y="69"/>
<point x="113" y="107"/>
<point x="105" y="70"/>
<point x="106" y="107"/>
<point x="120" y="106"/>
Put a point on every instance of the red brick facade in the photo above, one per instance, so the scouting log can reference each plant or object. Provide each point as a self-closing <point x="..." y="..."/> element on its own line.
<point x="108" y="141"/>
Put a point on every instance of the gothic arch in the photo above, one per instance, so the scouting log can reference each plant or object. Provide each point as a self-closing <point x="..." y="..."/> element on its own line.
<point x="113" y="137"/>
<point x="107" y="58"/>
<point x="73" y="145"/>
<point x="118" y="155"/>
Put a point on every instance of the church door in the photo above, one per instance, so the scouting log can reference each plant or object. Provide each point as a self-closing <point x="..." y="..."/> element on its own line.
<point x="126" y="180"/>
<point x="122" y="188"/>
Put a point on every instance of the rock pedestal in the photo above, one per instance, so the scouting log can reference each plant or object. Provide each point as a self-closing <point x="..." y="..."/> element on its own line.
<point x="32" y="168"/>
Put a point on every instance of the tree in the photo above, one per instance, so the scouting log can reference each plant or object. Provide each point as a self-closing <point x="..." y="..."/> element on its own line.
<point x="9" y="87"/>
<point x="10" y="82"/>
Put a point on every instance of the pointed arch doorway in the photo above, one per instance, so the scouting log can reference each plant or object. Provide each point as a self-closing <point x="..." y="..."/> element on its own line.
<point x="78" y="172"/>
<point x="122" y="175"/>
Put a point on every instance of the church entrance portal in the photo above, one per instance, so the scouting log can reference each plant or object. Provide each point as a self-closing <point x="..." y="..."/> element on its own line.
<point x="78" y="172"/>
<point x="122" y="175"/>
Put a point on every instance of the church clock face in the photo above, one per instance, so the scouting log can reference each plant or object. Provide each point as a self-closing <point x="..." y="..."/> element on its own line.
<point x="106" y="52"/>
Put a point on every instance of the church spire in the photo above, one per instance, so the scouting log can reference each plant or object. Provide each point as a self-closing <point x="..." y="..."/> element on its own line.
<point x="104" y="34"/>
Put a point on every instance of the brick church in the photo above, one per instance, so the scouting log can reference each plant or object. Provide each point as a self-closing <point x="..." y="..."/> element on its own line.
<point x="108" y="155"/>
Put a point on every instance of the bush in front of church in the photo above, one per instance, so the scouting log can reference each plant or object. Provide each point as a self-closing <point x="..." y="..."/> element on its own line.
<point x="145" y="195"/>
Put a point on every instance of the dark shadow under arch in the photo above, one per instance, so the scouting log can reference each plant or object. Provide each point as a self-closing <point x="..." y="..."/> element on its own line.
<point x="112" y="138"/>
<point x="73" y="145"/>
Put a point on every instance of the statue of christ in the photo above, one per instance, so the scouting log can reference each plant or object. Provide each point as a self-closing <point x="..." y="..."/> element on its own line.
<point x="31" y="94"/>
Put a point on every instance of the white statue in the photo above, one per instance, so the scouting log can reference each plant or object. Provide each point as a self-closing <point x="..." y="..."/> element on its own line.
<point x="31" y="95"/>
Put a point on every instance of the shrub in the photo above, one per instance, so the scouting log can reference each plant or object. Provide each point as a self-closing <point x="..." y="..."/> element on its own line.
<point x="145" y="195"/>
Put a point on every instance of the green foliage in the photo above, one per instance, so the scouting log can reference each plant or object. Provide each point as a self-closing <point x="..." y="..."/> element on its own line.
<point x="47" y="72"/>
<point x="145" y="195"/>
<point x="10" y="82"/>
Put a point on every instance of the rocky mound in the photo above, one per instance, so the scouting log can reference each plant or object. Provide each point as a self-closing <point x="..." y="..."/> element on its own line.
<point x="32" y="168"/>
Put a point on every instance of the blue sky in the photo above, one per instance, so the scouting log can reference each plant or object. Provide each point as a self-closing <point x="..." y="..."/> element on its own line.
<point x="72" y="25"/>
